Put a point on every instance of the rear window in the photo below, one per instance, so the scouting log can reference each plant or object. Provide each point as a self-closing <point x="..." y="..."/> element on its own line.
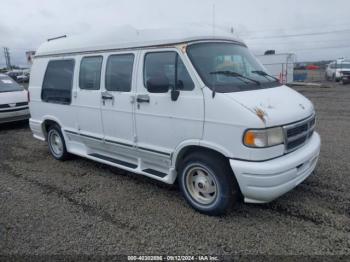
<point x="58" y="82"/>
<point x="7" y="84"/>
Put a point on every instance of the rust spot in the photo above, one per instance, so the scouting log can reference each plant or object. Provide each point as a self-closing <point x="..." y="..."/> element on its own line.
<point x="260" y="113"/>
<point x="183" y="48"/>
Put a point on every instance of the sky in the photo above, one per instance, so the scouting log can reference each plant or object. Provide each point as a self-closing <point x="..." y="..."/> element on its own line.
<point x="312" y="29"/>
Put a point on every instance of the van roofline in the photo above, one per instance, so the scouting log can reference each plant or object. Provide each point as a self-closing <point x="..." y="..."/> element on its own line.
<point x="98" y="51"/>
<point x="126" y="39"/>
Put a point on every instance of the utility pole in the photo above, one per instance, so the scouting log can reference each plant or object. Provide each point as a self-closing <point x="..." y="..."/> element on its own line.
<point x="7" y="58"/>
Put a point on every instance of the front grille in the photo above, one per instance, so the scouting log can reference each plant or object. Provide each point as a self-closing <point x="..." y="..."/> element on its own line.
<point x="17" y="104"/>
<point x="296" y="135"/>
<point x="297" y="130"/>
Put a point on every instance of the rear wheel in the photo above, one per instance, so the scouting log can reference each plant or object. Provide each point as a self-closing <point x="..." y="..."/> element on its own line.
<point x="208" y="183"/>
<point x="56" y="143"/>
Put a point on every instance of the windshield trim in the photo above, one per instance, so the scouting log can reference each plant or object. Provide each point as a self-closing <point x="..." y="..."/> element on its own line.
<point x="232" y="88"/>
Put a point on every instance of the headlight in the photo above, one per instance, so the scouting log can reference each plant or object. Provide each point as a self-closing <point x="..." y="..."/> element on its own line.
<point x="264" y="137"/>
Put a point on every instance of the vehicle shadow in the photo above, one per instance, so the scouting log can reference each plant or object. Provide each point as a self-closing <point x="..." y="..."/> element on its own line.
<point x="14" y="125"/>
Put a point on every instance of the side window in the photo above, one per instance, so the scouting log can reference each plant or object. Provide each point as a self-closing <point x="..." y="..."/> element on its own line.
<point x="119" y="72"/>
<point x="58" y="82"/>
<point x="167" y="67"/>
<point x="90" y="73"/>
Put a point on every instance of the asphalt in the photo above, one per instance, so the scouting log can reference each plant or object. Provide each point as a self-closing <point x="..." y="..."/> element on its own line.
<point x="82" y="207"/>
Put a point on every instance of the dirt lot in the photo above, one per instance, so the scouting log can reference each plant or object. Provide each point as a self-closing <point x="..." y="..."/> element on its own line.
<point x="79" y="206"/>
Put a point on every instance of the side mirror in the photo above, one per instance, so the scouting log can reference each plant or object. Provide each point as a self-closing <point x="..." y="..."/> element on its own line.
<point x="174" y="94"/>
<point x="158" y="85"/>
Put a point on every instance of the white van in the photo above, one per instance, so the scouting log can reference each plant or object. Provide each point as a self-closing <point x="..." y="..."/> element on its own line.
<point x="174" y="106"/>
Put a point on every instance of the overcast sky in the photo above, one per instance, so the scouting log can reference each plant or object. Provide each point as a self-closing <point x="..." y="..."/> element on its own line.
<point x="313" y="29"/>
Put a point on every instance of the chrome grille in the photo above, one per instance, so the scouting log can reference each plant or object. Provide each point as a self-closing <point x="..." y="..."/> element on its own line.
<point x="296" y="135"/>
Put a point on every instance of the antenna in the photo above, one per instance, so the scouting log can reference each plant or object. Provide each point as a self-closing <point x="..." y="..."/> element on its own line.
<point x="213" y="19"/>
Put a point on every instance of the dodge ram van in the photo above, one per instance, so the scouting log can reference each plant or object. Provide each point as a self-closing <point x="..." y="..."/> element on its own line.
<point x="191" y="108"/>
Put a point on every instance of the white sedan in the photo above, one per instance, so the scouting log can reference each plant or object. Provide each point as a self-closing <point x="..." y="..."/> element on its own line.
<point x="13" y="101"/>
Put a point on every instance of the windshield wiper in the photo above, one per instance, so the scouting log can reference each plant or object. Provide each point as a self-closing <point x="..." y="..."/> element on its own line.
<point x="264" y="74"/>
<point x="235" y="74"/>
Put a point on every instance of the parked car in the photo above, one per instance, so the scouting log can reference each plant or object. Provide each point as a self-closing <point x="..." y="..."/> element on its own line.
<point x="23" y="78"/>
<point x="13" y="74"/>
<point x="338" y="71"/>
<point x="13" y="101"/>
<point x="175" y="106"/>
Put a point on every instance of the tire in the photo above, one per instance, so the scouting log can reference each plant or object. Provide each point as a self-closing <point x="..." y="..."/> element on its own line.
<point x="56" y="143"/>
<point x="208" y="183"/>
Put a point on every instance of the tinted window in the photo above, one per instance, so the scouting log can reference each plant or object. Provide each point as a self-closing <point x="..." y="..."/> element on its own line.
<point x="7" y="84"/>
<point x="58" y="82"/>
<point x="119" y="72"/>
<point x="167" y="66"/>
<point x="90" y="73"/>
<point x="184" y="81"/>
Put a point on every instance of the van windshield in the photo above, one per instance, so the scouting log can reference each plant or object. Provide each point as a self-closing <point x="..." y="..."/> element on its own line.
<point x="229" y="67"/>
<point x="343" y="66"/>
<point x="7" y="84"/>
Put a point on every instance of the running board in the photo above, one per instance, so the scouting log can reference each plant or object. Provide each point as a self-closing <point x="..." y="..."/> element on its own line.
<point x="155" y="173"/>
<point x="113" y="160"/>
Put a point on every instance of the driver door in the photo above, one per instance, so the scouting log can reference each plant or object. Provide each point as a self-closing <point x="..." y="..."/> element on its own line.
<point x="162" y="124"/>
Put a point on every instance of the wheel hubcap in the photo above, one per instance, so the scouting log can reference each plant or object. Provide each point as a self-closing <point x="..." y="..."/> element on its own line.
<point x="56" y="143"/>
<point x="201" y="185"/>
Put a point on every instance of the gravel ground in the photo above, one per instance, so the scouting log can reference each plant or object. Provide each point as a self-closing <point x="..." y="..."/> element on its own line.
<point x="82" y="207"/>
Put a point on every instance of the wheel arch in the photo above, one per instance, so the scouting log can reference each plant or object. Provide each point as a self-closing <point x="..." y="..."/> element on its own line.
<point x="188" y="148"/>
<point x="47" y="122"/>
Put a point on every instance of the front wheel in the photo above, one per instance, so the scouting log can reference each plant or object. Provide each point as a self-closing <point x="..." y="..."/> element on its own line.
<point x="208" y="183"/>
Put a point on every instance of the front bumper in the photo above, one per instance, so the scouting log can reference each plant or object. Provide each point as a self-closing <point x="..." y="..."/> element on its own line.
<point x="19" y="115"/>
<point x="345" y="78"/>
<point x="262" y="182"/>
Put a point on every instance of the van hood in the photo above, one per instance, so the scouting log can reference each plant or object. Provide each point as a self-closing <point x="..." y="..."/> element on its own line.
<point x="275" y="106"/>
<point x="13" y="97"/>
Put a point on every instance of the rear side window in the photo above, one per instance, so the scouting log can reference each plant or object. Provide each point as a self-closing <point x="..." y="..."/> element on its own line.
<point x="90" y="73"/>
<point x="58" y="82"/>
<point x="169" y="66"/>
<point x="119" y="72"/>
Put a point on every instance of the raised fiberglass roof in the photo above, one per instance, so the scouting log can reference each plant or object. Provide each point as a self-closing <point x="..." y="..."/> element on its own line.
<point x="125" y="38"/>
